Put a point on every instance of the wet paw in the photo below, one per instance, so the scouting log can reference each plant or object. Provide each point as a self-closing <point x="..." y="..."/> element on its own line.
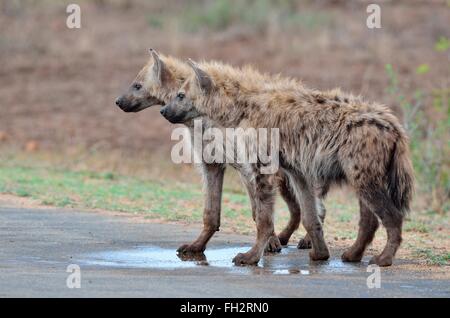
<point x="381" y="261"/>
<point x="243" y="259"/>
<point x="304" y="244"/>
<point x="350" y="256"/>
<point x="319" y="256"/>
<point x="190" y="249"/>
<point x="274" y="245"/>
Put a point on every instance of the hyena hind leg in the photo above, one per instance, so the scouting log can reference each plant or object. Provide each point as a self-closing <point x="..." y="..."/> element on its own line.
<point x="294" y="210"/>
<point x="392" y="219"/>
<point x="368" y="225"/>
<point x="310" y="219"/>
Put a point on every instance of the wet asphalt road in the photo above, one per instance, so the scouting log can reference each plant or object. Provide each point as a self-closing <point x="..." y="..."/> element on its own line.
<point x="120" y="257"/>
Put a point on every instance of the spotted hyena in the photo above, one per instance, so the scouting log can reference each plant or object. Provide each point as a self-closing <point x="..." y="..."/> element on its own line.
<point x="326" y="138"/>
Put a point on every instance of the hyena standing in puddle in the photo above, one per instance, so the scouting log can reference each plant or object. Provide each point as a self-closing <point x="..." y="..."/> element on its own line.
<point x="156" y="84"/>
<point x="326" y="138"/>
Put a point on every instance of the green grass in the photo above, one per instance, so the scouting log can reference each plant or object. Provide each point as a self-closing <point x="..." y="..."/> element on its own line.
<point x="416" y="226"/>
<point x="432" y="257"/>
<point x="108" y="191"/>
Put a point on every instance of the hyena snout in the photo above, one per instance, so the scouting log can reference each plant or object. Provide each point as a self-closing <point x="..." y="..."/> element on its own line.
<point x="163" y="111"/>
<point x="119" y="102"/>
<point x="134" y="105"/>
<point x="179" y="114"/>
<point x="124" y="104"/>
<point x="171" y="115"/>
<point x="135" y="101"/>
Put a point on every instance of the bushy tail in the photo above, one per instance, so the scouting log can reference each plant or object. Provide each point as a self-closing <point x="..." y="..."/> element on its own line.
<point x="400" y="177"/>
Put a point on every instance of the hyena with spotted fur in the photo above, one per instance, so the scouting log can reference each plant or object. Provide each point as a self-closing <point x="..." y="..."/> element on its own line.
<point x="326" y="138"/>
<point x="156" y="84"/>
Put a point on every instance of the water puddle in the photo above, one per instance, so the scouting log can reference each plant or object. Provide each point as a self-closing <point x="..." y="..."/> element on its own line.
<point x="290" y="261"/>
<point x="162" y="258"/>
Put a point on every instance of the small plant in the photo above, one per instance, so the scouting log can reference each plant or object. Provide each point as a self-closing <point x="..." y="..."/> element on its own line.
<point x="22" y="192"/>
<point x="442" y="45"/>
<point x="429" y="135"/>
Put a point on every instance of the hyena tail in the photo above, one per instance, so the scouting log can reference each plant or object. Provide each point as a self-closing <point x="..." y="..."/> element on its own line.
<point x="400" y="177"/>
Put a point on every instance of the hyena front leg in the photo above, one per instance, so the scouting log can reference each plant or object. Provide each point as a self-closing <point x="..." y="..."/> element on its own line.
<point x="249" y="186"/>
<point x="305" y="243"/>
<point x="263" y="188"/>
<point x="274" y="245"/>
<point x="213" y="178"/>
<point x="310" y="219"/>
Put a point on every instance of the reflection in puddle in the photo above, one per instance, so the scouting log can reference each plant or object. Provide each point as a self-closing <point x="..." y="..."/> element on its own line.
<point x="290" y="261"/>
<point x="290" y="271"/>
<point x="163" y="258"/>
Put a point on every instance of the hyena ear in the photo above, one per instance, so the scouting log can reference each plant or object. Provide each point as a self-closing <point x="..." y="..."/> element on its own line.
<point x="204" y="80"/>
<point x="160" y="69"/>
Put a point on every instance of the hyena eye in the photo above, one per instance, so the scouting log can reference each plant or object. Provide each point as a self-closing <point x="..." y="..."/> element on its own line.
<point x="137" y="86"/>
<point x="181" y="96"/>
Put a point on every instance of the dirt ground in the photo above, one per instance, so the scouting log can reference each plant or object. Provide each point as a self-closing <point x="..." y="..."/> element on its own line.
<point x="58" y="85"/>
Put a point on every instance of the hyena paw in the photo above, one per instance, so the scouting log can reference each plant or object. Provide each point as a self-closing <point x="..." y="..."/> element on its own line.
<point x="284" y="239"/>
<point x="351" y="256"/>
<point x="190" y="249"/>
<point x="274" y="245"/>
<point x="243" y="259"/>
<point x="381" y="260"/>
<point x="304" y="243"/>
<point x="319" y="255"/>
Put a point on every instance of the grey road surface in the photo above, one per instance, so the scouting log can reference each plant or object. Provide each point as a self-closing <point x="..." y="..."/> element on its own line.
<point x="120" y="257"/>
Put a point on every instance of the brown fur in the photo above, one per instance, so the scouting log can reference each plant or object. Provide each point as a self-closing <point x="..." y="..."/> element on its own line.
<point x="326" y="138"/>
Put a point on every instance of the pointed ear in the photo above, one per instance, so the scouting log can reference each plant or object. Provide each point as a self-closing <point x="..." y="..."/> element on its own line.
<point x="203" y="79"/>
<point x="160" y="69"/>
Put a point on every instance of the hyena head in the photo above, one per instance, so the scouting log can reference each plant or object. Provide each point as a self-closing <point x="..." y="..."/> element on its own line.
<point x="182" y="108"/>
<point x="148" y="88"/>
